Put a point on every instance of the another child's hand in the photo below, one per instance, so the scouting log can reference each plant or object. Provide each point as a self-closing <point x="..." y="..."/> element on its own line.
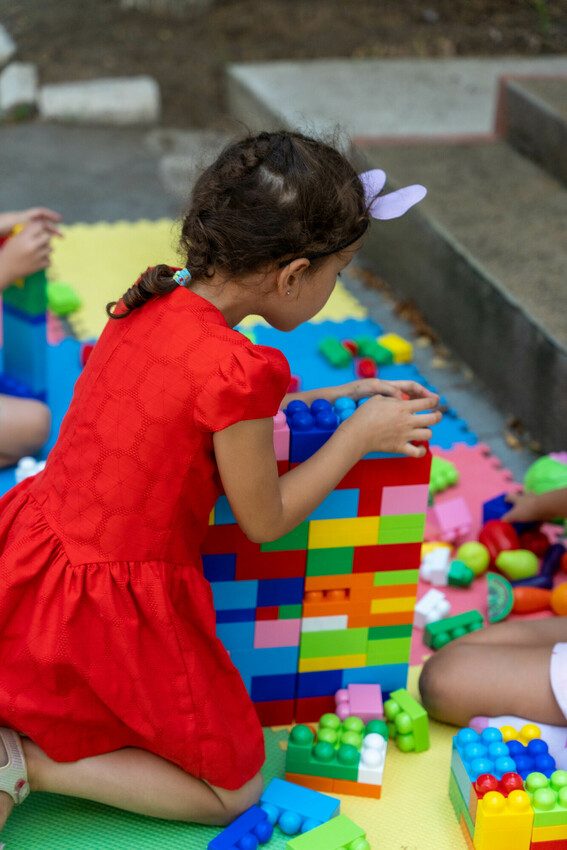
<point x="394" y="389"/>
<point x="25" y="253"/>
<point x="42" y="215"/>
<point x="532" y="507"/>
<point x="391" y="425"/>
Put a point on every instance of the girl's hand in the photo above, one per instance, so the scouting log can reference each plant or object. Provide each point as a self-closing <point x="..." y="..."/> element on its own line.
<point x="391" y="425"/>
<point x="25" y="253"/>
<point x="374" y="386"/>
<point x="42" y="215"/>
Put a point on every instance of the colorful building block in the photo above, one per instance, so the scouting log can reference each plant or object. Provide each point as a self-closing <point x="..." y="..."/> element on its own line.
<point x="454" y="519"/>
<point x="435" y="566"/>
<point x="432" y="607"/>
<point x="444" y="631"/>
<point x="364" y="701"/>
<point x="444" y="474"/>
<point x="407" y="721"/>
<point x="249" y="830"/>
<point x="504" y="823"/>
<point x="281" y="436"/>
<point x="401" y="349"/>
<point x="295" y="809"/>
<point x="335" y="352"/>
<point x="338" y="834"/>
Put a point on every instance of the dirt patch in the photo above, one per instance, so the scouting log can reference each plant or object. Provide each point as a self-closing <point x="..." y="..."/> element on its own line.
<point x="69" y="39"/>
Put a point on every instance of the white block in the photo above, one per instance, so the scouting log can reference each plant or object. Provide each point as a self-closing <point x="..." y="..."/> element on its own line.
<point x="27" y="467"/>
<point x="435" y="566"/>
<point x="430" y="608"/>
<point x="372" y="759"/>
<point x="123" y="100"/>
<point x="18" y="86"/>
<point x="7" y="46"/>
<point x="324" y="624"/>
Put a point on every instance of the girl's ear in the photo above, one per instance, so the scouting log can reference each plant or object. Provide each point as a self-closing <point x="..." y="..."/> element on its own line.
<point x="288" y="279"/>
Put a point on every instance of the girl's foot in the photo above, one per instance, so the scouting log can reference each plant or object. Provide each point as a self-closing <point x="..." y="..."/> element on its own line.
<point x="14" y="786"/>
<point x="6" y="802"/>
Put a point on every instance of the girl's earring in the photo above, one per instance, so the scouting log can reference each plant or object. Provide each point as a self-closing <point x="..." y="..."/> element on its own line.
<point x="288" y="292"/>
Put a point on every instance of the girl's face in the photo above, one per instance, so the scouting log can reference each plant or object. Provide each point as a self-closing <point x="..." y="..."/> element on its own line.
<point x="301" y="293"/>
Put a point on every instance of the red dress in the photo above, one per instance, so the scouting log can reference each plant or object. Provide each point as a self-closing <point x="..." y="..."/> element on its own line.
<point x="107" y="625"/>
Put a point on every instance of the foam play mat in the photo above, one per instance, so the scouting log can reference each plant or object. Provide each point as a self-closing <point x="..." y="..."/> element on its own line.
<point x="100" y="261"/>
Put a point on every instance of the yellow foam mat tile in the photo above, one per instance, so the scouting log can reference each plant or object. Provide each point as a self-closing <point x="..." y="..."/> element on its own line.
<point x="100" y="261"/>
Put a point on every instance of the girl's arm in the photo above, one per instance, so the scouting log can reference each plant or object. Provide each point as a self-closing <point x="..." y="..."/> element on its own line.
<point x="267" y="506"/>
<point x="361" y="389"/>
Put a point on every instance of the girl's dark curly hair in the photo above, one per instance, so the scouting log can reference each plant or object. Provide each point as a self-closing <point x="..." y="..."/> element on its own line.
<point x="266" y="199"/>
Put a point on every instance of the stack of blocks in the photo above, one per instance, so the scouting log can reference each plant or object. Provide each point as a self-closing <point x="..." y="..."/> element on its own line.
<point x="343" y="757"/>
<point x="507" y="794"/>
<point x="331" y="603"/>
<point x="24" y="314"/>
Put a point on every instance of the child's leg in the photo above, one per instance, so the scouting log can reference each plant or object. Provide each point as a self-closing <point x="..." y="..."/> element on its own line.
<point x="504" y="669"/>
<point x="137" y="781"/>
<point x="24" y="428"/>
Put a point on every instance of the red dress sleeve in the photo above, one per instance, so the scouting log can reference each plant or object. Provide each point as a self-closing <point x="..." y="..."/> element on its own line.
<point x="249" y="383"/>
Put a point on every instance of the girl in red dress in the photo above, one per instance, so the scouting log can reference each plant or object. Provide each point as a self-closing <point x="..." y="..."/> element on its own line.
<point x="113" y="684"/>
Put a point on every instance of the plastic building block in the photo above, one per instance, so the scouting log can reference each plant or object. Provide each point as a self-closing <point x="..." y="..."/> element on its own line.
<point x="62" y="300"/>
<point x="528" y="732"/>
<point x="454" y="519"/>
<point x="407" y="721"/>
<point x="368" y="347"/>
<point x="281" y="436"/>
<point x="444" y="631"/>
<point x="504" y="823"/>
<point x="270" y="633"/>
<point x="407" y="499"/>
<point x="430" y="608"/>
<point x="28" y="297"/>
<point x="546" y="473"/>
<point x="295" y="809"/>
<point x="366" y="368"/>
<point x="364" y="701"/>
<point x="498" y="536"/>
<point x="247" y="831"/>
<point x="338" y="834"/>
<point x="459" y="574"/>
<point x="518" y="564"/>
<point x="488" y="753"/>
<point x="444" y="474"/>
<point x="401" y="349"/>
<point x="475" y="555"/>
<point x="25" y="348"/>
<point x="294" y="384"/>
<point x="28" y="466"/>
<point x="500" y="597"/>
<point x="335" y="352"/>
<point x="435" y="566"/>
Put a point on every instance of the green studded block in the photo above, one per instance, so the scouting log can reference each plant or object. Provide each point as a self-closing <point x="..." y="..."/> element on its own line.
<point x="334" y="352"/>
<point x="330" y="562"/>
<point x="339" y="833"/>
<point x="289" y="612"/>
<point x="328" y="644"/>
<point x="385" y="632"/>
<point x="444" y="631"/>
<point x="391" y="651"/>
<point x="392" y="577"/>
<point x="408" y="528"/>
<point x="296" y="539"/>
<point x="31" y="298"/>
<point x="407" y="721"/>
<point x="368" y="347"/>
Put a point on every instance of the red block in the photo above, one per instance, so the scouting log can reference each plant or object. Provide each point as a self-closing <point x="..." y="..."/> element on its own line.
<point x="227" y="539"/>
<point x="560" y="844"/>
<point x="275" y="712"/>
<point x="389" y="556"/>
<point x="259" y="565"/>
<point x="310" y="709"/>
<point x="270" y="613"/>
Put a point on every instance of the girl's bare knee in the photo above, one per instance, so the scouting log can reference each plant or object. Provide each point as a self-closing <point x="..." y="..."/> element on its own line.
<point x="437" y="682"/>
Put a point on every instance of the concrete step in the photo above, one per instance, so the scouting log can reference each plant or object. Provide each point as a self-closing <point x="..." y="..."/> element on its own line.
<point x="533" y="118"/>
<point x="485" y="259"/>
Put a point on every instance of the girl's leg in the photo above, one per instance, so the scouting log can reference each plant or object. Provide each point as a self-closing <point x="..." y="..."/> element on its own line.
<point x="24" y="428"/>
<point x="137" y="781"/>
<point x="544" y="632"/>
<point x="467" y="679"/>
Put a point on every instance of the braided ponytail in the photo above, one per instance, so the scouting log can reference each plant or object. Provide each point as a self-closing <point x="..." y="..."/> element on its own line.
<point x="156" y="280"/>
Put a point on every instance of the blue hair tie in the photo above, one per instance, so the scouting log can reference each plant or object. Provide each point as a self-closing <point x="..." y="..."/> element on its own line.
<point x="182" y="277"/>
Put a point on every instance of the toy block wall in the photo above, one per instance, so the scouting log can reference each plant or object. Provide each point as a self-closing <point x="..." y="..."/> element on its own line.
<point x="331" y="603"/>
<point x="24" y="320"/>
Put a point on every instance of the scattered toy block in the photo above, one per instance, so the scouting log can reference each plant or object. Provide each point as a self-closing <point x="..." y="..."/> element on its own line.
<point x="459" y="574"/>
<point x="444" y="631"/>
<point x="335" y="352"/>
<point x="444" y="474"/>
<point x="364" y="701"/>
<point x="248" y="830"/>
<point x="435" y="566"/>
<point x="338" y="834"/>
<point x="504" y="823"/>
<point x="430" y="608"/>
<point x="281" y="436"/>
<point x="454" y="519"/>
<point x="407" y="721"/>
<point x="401" y="349"/>
<point x="295" y="809"/>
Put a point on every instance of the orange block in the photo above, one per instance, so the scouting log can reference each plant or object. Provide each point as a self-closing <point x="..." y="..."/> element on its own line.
<point x="351" y="580"/>
<point x="356" y="789"/>
<point x="466" y="833"/>
<point x="317" y="783"/>
<point x="398" y="618"/>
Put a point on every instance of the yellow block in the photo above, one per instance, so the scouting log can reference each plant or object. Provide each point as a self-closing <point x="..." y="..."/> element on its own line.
<point x="335" y="662"/>
<point x="391" y="606"/>
<point x="400" y="347"/>
<point x="212" y="517"/>
<point x="549" y="833"/>
<point x="526" y="734"/>
<point x="354" y="531"/>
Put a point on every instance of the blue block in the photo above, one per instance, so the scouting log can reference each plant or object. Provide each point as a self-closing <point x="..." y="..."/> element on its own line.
<point x="230" y="595"/>
<point x="310" y="805"/>
<point x="25" y="349"/>
<point x="223" y="512"/>
<point x="497" y="507"/>
<point x="237" y="615"/>
<point x="219" y="567"/>
<point x="251" y="828"/>
<point x="319" y="684"/>
<point x="236" y="637"/>
<point x="338" y="505"/>
<point x="483" y="753"/>
<point x="265" y="688"/>
<point x="280" y="591"/>
<point x="263" y="662"/>
<point x="390" y="677"/>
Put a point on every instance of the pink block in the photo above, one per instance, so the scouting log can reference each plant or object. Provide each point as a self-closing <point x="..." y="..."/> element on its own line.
<point x="454" y="519"/>
<point x="271" y="633"/>
<point x="281" y="436"/>
<point x="364" y="701"/>
<point x="408" y="499"/>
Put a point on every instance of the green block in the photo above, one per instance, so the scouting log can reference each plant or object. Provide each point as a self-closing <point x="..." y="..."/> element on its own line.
<point x="339" y="833"/>
<point x="385" y="632"/>
<point x="296" y="539"/>
<point x="391" y="651"/>
<point x="460" y="575"/>
<point x="408" y="528"/>
<point x="548" y="796"/>
<point x="369" y="347"/>
<point x="31" y="298"/>
<point x="339" y="642"/>
<point x="444" y="474"/>
<point x="392" y="577"/>
<point x="444" y="631"/>
<point x="408" y="722"/>
<point x="330" y="562"/>
<point x="289" y="612"/>
<point x="459" y="805"/>
<point x="334" y="352"/>
<point x="62" y="299"/>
